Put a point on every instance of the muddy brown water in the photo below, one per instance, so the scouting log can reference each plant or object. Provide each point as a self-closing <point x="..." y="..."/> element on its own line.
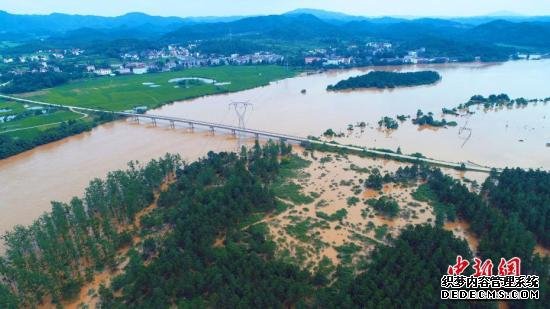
<point x="63" y="169"/>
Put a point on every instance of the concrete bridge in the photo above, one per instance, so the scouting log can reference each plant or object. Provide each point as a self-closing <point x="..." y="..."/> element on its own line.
<point x="261" y="133"/>
<point x="172" y="120"/>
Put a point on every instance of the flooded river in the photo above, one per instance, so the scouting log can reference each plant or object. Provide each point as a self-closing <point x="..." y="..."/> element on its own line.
<point x="495" y="138"/>
<point x="61" y="170"/>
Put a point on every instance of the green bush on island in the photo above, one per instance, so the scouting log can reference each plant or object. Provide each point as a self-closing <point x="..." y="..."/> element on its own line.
<point x="499" y="100"/>
<point x="490" y="101"/>
<point x="382" y="79"/>
<point x="402" y="118"/>
<point x="388" y="123"/>
<point x="428" y="119"/>
<point x="385" y="205"/>
<point x="331" y="133"/>
<point x="375" y="180"/>
<point x="449" y="111"/>
<point x="337" y="216"/>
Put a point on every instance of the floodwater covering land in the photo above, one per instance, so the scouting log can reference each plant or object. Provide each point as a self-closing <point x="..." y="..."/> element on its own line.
<point x="499" y="138"/>
<point x="328" y="213"/>
<point x="62" y="169"/>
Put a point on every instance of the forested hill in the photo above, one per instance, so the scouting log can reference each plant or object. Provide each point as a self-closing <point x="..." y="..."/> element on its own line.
<point x="520" y="34"/>
<point x="307" y="26"/>
<point x="60" y="23"/>
<point x="297" y="25"/>
<point x="287" y="27"/>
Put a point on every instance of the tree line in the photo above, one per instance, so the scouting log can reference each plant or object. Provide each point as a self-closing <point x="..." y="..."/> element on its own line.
<point x="524" y="194"/>
<point x="10" y="146"/>
<point x="504" y="229"/>
<point x="60" y="251"/>
<point x="19" y="83"/>
<point x="217" y="253"/>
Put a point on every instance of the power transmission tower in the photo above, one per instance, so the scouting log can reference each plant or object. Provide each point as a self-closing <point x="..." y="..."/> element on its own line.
<point x="465" y="132"/>
<point x="240" y="108"/>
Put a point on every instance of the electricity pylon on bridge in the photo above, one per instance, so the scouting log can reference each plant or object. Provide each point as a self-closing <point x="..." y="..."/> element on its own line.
<point x="240" y="108"/>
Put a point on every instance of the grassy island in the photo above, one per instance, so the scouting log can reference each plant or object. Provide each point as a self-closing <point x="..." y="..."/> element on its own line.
<point x="382" y="80"/>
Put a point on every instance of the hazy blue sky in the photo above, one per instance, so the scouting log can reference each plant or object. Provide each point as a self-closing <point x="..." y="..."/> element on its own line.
<point x="249" y="7"/>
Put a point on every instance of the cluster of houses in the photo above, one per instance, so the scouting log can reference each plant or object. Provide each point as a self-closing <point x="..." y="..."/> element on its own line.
<point x="189" y="57"/>
<point x="174" y="57"/>
<point x="39" y="62"/>
<point x="190" y="61"/>
<point x="382" y="53"/>
<point x="329" y="60"/>
<point x="320" y="56"/>
<point x="129" y="68"/>
<point x="43" y="56"/>
<point x="371" y="52"/>
<point x="153" y="60"/>
<point x="178" y="57"/>
<point x="531" y="56"/>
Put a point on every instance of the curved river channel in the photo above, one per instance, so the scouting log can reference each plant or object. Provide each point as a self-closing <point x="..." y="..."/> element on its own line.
<point x="505" y="137"/>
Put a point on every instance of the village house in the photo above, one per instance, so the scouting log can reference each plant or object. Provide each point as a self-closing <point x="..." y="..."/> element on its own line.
<point x="103" y="71"/>
<point x="140" y="69"/>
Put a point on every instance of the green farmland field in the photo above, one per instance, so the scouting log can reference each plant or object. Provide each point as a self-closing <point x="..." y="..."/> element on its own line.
<point x="31" y="126"/>
<point x="58" y="116"/>
<point x="124" y="92"/>
<point x="10" y="108"/>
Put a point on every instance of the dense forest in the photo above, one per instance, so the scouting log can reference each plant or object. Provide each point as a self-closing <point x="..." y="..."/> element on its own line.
<point x="205" y="245"/>
<point x="10" y="146"/>
<point x="525" y="195"/>
<point x="59" y="252"/>
<point x="503" y="229"/>
<point x="383" y="79"/>
<point x="404" y="275"/>
<point x="30" y="82"/>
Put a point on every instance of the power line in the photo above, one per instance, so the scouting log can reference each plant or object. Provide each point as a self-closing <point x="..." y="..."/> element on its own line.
<point x="240" y="108"/>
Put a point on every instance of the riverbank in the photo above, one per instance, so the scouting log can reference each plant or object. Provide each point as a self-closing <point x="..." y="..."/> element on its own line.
<point x="127" y="92"/>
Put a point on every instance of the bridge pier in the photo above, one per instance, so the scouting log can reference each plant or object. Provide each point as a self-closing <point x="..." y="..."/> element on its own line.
<point x="257" y="136"/>
<point x="154" y="120"/>
<point x="172" y="124"/>
<point x="234" y="132"/>
<point x="212" y="129"/>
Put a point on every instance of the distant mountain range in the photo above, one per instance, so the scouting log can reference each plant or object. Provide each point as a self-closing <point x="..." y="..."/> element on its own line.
<point x="59" y="23"/>
<point x="302" y="24"/>
<point x="30" y="26"/>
